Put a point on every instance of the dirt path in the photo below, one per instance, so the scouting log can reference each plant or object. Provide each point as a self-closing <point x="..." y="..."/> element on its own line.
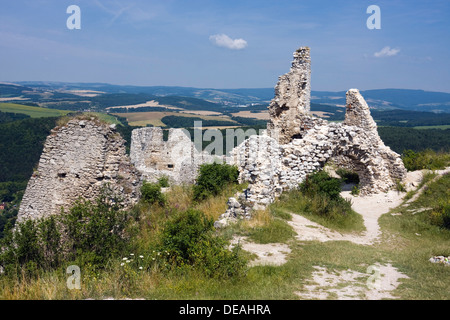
<point x="267" y="254"/>
<point x="379" y="281"/>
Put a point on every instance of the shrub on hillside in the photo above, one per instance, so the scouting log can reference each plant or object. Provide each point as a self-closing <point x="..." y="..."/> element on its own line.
<point x="151" y="193"/>
<point x="323" y="197"/>
<point x="427" y="159"/>
<point x="163" y="181"/>
<point x="190" y="240"/>
<point x="31" y="245"/>
<point x="96" y="230"/>
<point x="441" y="215"/>
<point x="213" y="178"/>
<point x="90" y="232"/>
<point x="321" y="183"/>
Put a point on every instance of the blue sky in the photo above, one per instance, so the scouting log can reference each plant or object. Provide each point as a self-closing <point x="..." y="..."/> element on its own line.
<point x="227" y="44"/>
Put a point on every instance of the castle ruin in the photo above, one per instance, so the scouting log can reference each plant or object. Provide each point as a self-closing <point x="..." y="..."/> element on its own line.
<point x="83" y="155"/>
<point x="298" y="144"/>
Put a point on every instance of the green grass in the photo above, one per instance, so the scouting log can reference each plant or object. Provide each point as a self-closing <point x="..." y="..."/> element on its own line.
<point x="340" y="220"/>
<point x="443" y="127"/>
<point x="105" y="117"/>
<point x="415" y="238"/>
<point x="33" y="112"/>
<point x="275" y="231"/>
<point x="407" y="242"/>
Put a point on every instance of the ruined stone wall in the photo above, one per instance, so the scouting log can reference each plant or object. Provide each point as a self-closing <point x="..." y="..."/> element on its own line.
<point x="299" y="144"/>
<point x="78" y="159"/>
<point x="292" y="99"/>
<point x="177" y="158"/>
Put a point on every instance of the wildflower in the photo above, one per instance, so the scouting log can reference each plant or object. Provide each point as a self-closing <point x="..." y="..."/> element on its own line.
<point x="125" y="259"/>
<point x="141" y="256"/>
<point x="140" y="268"/>
<point x="128" y="261"/>
<point x="153" y="259"/>
<point x="131" y="254"/>
<point x="122" y="264"/>
<point x="159" y="253"/>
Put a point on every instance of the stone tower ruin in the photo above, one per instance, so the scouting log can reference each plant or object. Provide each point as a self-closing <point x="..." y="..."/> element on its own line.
<point x="78" y="160"/>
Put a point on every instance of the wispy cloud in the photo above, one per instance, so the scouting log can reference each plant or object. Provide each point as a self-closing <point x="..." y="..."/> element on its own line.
<point x="386" y="52"/>
<point x="222" y="40"/>
<point x="130" y="12"/>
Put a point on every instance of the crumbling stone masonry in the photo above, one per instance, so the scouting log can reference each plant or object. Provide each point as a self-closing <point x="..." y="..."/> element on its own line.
<point x="78" y="159"/>
<point x="298" y="144"/>
<point x="177" y="158"/>
<point x="292" y="100"/>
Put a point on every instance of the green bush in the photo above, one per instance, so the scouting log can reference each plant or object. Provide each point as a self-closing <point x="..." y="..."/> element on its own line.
<point x="213" y="178"/>
<point x="321" y="183"/>
<point x="151" y="193"/>
<point x="323" y="196"/>
<point x="190" y="240"/>
<point x="427" y="159"/>
<point x="440" y="215"/>
<point x="91" y="233"/>
<point x="355" y="191"/>
<point x="163" y="181"/>
<point x="96" y="230"/>
<point x="33" y="244"/>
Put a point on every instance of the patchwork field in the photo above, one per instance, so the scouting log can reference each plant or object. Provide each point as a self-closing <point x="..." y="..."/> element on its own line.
<point x="264" y="115"/>
<point x="154" y="117"/>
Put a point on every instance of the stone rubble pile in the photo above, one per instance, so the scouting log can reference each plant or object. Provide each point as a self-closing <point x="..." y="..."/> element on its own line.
<point x="441" y="259"/>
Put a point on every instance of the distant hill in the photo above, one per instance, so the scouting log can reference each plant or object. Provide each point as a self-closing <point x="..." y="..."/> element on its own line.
<point x="62" y="92"/>
<point x="406" y="99"/>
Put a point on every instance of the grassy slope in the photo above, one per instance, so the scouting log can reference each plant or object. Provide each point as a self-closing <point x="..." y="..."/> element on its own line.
<point x="34" y="112"/>
<point x="408" y="241"/>
<point x="400" y="246"/>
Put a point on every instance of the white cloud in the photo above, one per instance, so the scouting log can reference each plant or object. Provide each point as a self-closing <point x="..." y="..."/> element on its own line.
<point x="386" y="52"/>
<point x="222" y="40"/>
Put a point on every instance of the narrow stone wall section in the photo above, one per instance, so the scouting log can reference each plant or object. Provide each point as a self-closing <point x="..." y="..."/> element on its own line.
<point x="292" y="99"/>
<point x="78" y="159"/>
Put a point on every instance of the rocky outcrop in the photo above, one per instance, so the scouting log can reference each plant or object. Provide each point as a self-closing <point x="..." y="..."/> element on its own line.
<point x="78" y="160"/>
